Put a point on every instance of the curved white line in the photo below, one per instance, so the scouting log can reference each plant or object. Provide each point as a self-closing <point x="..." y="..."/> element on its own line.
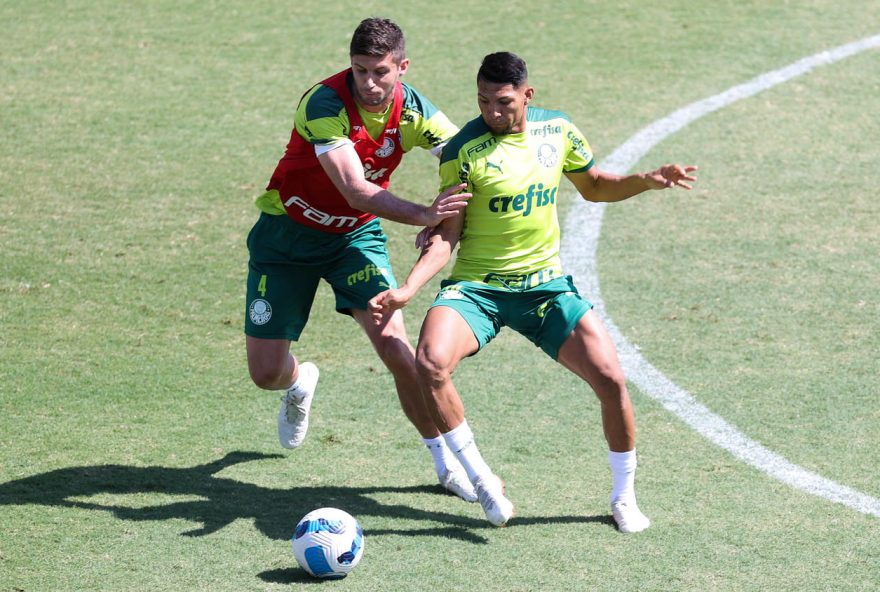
<point x="579" y="245"/>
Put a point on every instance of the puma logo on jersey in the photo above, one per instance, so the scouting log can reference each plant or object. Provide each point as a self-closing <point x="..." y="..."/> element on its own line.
<point x="492" y="165"/>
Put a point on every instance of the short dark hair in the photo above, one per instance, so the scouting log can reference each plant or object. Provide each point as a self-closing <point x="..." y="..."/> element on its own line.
<point x="503" y="67"/>
<point x="377" y="37"/>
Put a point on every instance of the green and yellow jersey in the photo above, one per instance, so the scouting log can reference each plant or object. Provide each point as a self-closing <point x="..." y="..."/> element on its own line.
<point x="322" y="120"/>
<point x="511" y="227"/>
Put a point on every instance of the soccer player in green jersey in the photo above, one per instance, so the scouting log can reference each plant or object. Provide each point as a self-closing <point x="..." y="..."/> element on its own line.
<point x="508" y="273"/>
<point x="319" y="219"/>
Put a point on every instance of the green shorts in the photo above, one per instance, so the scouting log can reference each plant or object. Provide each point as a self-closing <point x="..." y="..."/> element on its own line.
<point x="545" y="314"/>
<point x="288" y="259"/>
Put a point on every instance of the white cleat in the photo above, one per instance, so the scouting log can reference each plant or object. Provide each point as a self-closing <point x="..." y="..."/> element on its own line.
<point x="293" y="417"/>
<point x="628" y="517"/>
<point x="457" y="482"/>
<point x="490" y="492"/>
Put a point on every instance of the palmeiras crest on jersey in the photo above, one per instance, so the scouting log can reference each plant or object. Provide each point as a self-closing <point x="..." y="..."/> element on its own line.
<point x="547" y="155"/>
<point x="387" y="148"/>
<point x="260" y="311"/>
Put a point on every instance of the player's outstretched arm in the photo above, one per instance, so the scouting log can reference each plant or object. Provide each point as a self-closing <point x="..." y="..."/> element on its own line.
<point x="600" y="186"/>
<point x="346" y="171"/>
<point x="436" y="252"/>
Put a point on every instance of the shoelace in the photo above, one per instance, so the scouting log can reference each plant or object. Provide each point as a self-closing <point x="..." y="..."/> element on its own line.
<point x="292" y="403"/>
<point x="486" y="499"/>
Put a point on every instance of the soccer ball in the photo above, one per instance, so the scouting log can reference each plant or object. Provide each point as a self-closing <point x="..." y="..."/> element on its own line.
<point x="328" y="543"/>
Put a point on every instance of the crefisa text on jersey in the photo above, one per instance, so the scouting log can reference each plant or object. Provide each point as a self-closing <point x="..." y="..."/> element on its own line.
<point x="546" y="130"/>
<point x="522" y="202"/>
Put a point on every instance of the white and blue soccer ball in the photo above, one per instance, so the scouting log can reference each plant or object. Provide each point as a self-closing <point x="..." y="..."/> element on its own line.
<point x="328" y="543"/>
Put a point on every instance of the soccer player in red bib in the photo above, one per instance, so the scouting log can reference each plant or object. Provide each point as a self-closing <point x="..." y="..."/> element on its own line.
<point x="319" y="219"/>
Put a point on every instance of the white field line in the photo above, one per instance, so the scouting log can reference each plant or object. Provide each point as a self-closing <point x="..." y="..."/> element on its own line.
<point x="580" y="240"/>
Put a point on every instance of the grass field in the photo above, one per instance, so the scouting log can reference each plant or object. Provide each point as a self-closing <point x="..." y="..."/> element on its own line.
<point x="136" y="454"/>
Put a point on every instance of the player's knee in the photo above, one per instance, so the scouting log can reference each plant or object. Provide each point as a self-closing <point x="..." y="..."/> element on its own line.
<point x="610" y="384"/>
<point x="268" y="377"/>
<point x="395" y="350"/>
<point x="269" y="363"/>
<point x="433" y="368"/>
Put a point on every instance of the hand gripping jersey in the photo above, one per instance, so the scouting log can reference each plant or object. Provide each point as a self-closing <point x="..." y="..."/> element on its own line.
<point x="511" y="231"/>
<point x="308" y="194"/>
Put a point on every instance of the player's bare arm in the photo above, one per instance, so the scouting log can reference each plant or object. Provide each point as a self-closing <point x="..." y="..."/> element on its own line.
<point x="346" y="172"/>
<point x="436" y="253"/>
<point x="600" y="186"/>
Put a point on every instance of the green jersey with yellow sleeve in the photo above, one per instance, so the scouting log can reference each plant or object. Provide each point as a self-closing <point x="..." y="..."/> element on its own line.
<point x="511" y="226"/>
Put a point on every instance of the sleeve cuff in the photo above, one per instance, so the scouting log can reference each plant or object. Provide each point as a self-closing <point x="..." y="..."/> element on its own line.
<point x="325" y="148"/>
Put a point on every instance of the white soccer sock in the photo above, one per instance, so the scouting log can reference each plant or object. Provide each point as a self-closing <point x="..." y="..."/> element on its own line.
<point x="461" y="442"/>
<point x="444" y="460"/>
<point x="623" y="475"/>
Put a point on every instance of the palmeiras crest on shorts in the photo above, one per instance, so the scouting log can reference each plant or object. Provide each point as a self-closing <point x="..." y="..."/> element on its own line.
<point x="260" y="311"/>
<point x="547" y="155"/>
<point x="387" y="148"/>
<point x="451" y="293"/>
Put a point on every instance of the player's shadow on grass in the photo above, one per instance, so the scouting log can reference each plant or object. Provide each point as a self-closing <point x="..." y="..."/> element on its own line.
<point x="221" y="501"/>
<point x="287" y="576"/>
